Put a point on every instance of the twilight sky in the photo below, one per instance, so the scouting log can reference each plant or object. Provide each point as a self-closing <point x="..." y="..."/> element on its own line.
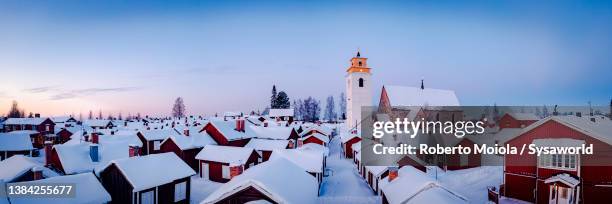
<point x="66" y="57"/>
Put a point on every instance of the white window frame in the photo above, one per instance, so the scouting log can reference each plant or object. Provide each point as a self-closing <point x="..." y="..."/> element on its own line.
<point x="225" y="171"/>
<point x="147" y="197"/>
<point x="180" y="191"/>
<point x="559" y="161"/>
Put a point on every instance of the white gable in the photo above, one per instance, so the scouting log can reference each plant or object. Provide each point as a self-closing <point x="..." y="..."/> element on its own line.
<point x="413" y="96"/>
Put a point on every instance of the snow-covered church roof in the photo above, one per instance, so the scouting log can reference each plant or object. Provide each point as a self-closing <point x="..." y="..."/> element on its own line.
<point x="414" y="96"/>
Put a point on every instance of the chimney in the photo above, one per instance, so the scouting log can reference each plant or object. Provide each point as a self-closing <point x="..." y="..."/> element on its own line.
<point x="300" y="142"/>
<point x="134" y="150"/>
<point x="242" y="125"/>
<point x="125" y="123"/>
<point x="93" y="152"/>
<point x="37" y="115"/>
<point x="186" y="132"/>
<point x="393" y="173"/>
<point x="95" y="137"/>
<point x="265" y="124"/>
<point x="236" y="170"/>
<point x="37" y="173"/>
<point x="48" y="146"/>
<point x="579" y="114"/>
<point x="592" y="119"/>
<point x="112" y="132"/>
<point x="237" y="125"/>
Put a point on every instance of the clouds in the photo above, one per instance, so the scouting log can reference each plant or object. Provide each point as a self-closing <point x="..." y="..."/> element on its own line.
<point x="57" y="93"/>
<point x="88" y="92"/>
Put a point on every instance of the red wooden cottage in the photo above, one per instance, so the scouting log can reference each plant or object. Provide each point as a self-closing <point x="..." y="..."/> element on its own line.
<point x="152" y="139"/>
<point x="316" y="138"/>
<point x="265" y="147"/>
<point x="156" y="178"/>
<point x="228" y="133"/>
<point x="517" y="120"/>
<point x="347" y="141"/>
<point x="187" y="145"/>
<point x="561" y="178"/>
<point x="222" y="163"/>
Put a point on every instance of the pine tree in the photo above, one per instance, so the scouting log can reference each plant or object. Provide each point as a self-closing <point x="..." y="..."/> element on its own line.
<point x="342" y="104"/>
<point x="14" y="111"/>
<point x="178" y="110"/>
<point x="282" y="100"/>
<point x="273" y="104"/>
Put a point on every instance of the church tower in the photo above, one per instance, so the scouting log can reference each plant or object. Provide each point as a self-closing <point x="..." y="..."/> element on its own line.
<point x="358" y="90"/>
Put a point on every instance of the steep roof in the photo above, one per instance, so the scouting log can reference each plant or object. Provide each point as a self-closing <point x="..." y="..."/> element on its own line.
<point x="225" y="154"/>
<point x="194" y="140"/>
<point x="270" y="178"/>
<point x="414" y="96"/>
<point x="75" y="156"/>
<point x="145" y="172"/>
<point x="275" y="132"/>
<point x="415" y="186"/>
<point x="17" y="165"/>
<point x="158" y="134"/>
<point x="228" y="129"/>
<point x="601" y="129"/>
<point x="524" y="116"/>
<point x="310" y="161"/>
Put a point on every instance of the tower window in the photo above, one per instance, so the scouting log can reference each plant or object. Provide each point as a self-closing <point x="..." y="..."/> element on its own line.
<point x="360" y="82"/>
<point x="360" y="63"/>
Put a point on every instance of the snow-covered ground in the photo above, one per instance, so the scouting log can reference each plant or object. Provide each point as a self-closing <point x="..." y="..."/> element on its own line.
<point x="344" y="185"/>
<point x="201" y="188"/>
<point x="471" y="183"/>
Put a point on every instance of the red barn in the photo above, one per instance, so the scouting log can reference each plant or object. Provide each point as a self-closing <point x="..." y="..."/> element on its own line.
<point x="229" y="133"/>
<point x="517" y="120"/>
<point x="222" y="163"/>
<point x="562" y="178"/>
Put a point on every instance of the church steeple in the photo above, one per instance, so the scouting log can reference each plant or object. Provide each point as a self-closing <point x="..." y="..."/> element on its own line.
<point x="422" y="85"/>
<point x="358" y="64"/>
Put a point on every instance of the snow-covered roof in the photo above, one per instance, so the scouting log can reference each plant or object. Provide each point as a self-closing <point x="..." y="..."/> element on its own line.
<point x="24" y="121"/>
<point x="87" y="190"/>
<point x="280" y="112"/>
<point x="267" y="144"/>
<point x="15" y="142"/>
<point x="158" y="134"/>
<point x="414" y="96"/>
<point x="376" y="170"/>
<point x="61" y="119"/>
<point x="600" y="130"/>
<point x="275" y="132"/>
<point x="17" y="165"/>
<point x="75" y="157"/>
<point x="413" y="185"/>
<point x="225" y="154"/>
<point x="563" y="178"/>
<point x="145" y="172"/>
<point x="316" y="148"/>
<point x="96" y="123"/>
<point x="318" y="136"/>
<point x="558" y="142"/>
<point x="194" y="140"/>
<point x="270" y="178"/>
<point x="28" y="132"/>
<point x="523" y="116"/>
<point x="507" y="134"/>
<point x="310" y="161"/>
<point x="346" y="136"/>
<point x="228" y="129"/>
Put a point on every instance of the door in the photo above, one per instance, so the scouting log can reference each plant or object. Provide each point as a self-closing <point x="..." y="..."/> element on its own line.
<point x="204" y="171"/>
<point x="560" y="195"/>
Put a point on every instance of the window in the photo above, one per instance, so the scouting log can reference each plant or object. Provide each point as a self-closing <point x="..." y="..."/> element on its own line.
<point x="360" y="82"/>
<point x="147" y="197"/>
<point x="156" y="145"/>
<point x="558" y="161"/>
<point x="180" y="190"/>
<point x="225" y="172"/>
<point x="360" y="63"/>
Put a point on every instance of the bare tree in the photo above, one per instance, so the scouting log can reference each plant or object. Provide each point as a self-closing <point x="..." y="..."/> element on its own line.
<point x="14" y="112"/>
<point x="178" y="110"/>
<point x="330" y="109"/>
